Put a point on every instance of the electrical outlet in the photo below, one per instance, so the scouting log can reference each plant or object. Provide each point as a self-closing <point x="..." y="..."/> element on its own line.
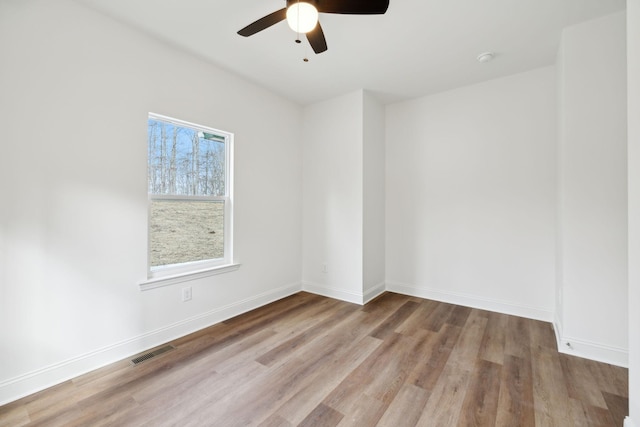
<point x="186" y="294"/>
<point x="324" y="268"/>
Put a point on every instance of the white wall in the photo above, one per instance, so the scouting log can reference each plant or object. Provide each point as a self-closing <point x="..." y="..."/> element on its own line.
<point x="470" y="193"/>
<point x="633" y="115"/>
<point x="593" y="190"/>
<point x="343" y="197"/>
<point x="374" y="197"/>
<point x="333" y="197"/>
<point x="76" y="89"/>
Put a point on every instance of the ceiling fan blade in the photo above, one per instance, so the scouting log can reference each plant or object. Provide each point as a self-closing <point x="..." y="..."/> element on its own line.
<point x="263" y="23"/>
<point x="316" y="39"/>
<point x="353" y="7"/>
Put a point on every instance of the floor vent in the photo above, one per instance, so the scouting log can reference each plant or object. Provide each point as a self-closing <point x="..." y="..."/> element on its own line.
<point x="150" y="355"/>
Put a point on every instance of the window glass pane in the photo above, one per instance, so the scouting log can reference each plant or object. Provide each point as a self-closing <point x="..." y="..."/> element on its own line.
<point x="185" y="161"/>
<point x="185" y="230"/>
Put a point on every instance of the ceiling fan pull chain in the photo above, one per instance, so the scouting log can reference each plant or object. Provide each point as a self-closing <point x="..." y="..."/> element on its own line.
<point x="298" y="26"/>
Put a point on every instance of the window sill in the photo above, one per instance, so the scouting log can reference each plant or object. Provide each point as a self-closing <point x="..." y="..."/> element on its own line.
<point x="158" y="282"/>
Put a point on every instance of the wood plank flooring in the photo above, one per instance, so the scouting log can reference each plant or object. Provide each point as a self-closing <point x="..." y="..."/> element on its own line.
<point x="307" y="360"/>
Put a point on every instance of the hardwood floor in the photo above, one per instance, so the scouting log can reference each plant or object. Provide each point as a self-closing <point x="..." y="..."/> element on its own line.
<point x="312" y="361"/>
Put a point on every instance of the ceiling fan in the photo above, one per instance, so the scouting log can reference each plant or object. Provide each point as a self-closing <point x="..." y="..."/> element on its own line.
<point x="302" y="17"/>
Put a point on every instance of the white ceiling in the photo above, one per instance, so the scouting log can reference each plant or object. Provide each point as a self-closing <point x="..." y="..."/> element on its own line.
<point x="418" y="47"/>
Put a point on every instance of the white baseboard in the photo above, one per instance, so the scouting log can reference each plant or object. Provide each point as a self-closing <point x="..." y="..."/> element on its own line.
<point x="374" y="292"/>
<point x="41" y="379"/>
<point x="335" y="293"/>
<point x="473" y="301"/>
<point x="628" y="422"/>
<point x="590" y="350"/>
<point x="557" y="328"/>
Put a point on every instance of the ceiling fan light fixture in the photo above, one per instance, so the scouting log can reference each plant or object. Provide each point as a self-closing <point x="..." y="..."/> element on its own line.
<point x="302" y="17"/>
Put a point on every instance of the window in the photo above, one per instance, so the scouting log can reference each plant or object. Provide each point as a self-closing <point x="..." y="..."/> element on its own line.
<point x="190" y="203"/>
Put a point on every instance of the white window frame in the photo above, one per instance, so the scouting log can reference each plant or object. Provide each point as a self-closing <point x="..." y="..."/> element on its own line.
<point x="168" y="274"/>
